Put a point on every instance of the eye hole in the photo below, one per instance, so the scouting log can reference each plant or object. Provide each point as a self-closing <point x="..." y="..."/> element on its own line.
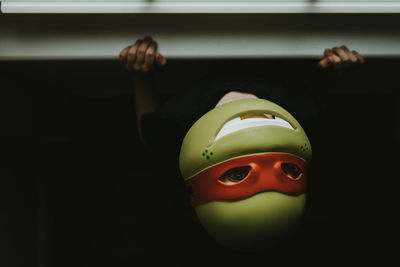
<point x="291" y="170"/>
<point x="235" y="175"/>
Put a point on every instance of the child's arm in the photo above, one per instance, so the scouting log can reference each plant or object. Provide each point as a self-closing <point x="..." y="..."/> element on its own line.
<point x="141" y="59"/>
<point x="336" y="64"/>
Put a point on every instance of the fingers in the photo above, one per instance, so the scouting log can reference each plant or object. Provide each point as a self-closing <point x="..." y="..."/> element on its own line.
<point x="141" y="52"/>
<point x="324" y="63"/>
<point x="340" y="57"/>
<point x="150" y="56"/>
<point x="341" y="53"/>
<point x="161" y="60"/>
<point x="330" y="59"/>
<point x="336" y="61"/>
<point x="351" y="56"/>
<point x="122" y="58"/>
<point x="328" y="52"/>
<point x="359" y="57"/>
<point x="142" y="56"/>
<point x="131" y="57"/>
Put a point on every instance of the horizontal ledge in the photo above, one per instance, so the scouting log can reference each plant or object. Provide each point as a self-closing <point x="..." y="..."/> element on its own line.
<point x="211" y="7"/>
<point x="90" y="58"/>
<point x="199" y="46"/>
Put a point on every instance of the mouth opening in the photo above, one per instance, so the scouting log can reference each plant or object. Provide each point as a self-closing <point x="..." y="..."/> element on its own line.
<point x="251" y="120"/>
<point x="263" y="116"/>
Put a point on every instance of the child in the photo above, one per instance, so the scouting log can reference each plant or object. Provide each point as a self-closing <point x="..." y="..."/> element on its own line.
<point x="166" y="125"/>
<point x="248" y="187"/>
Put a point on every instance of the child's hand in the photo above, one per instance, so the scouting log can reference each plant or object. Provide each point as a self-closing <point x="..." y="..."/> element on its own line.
<point x="340" y="58"/>
<point x="141" y="57"/>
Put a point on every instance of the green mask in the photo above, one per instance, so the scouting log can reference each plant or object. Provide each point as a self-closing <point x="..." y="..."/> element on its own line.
<point x="247" y="173"/>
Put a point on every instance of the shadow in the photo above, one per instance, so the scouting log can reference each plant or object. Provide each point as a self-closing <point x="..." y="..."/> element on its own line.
<point x="73" y="163"/>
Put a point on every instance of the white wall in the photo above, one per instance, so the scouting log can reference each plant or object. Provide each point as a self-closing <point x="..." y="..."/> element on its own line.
<point x="200" y="6"/>
<point x="197" y="36"/>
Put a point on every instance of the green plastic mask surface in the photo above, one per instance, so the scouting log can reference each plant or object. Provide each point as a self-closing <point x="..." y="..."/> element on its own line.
<point x="267" y="216"/>
<point x="200" y="150"/>
<point x="253" y="223"/>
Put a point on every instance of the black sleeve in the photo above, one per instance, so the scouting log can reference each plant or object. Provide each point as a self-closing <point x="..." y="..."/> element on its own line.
<point x="151" y="123"/>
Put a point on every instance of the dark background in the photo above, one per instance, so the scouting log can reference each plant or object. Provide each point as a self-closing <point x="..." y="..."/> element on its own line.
<point x="77" y="188"/>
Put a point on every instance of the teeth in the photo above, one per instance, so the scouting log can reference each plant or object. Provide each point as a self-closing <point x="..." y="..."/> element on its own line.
<point x="237" y="124"/>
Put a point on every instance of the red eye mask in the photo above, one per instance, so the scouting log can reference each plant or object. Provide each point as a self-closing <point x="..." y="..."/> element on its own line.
<point x="267" y="173"/>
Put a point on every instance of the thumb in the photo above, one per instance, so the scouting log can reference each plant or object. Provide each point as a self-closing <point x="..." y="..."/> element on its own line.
<point x="325" y="62"/>
<point x="161" y="60"/>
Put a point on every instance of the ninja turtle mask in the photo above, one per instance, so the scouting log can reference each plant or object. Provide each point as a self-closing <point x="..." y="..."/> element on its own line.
<point x="247" y="172"/>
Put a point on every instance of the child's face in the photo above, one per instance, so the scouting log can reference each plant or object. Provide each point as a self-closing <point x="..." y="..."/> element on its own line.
<point x="246" y="163"/>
